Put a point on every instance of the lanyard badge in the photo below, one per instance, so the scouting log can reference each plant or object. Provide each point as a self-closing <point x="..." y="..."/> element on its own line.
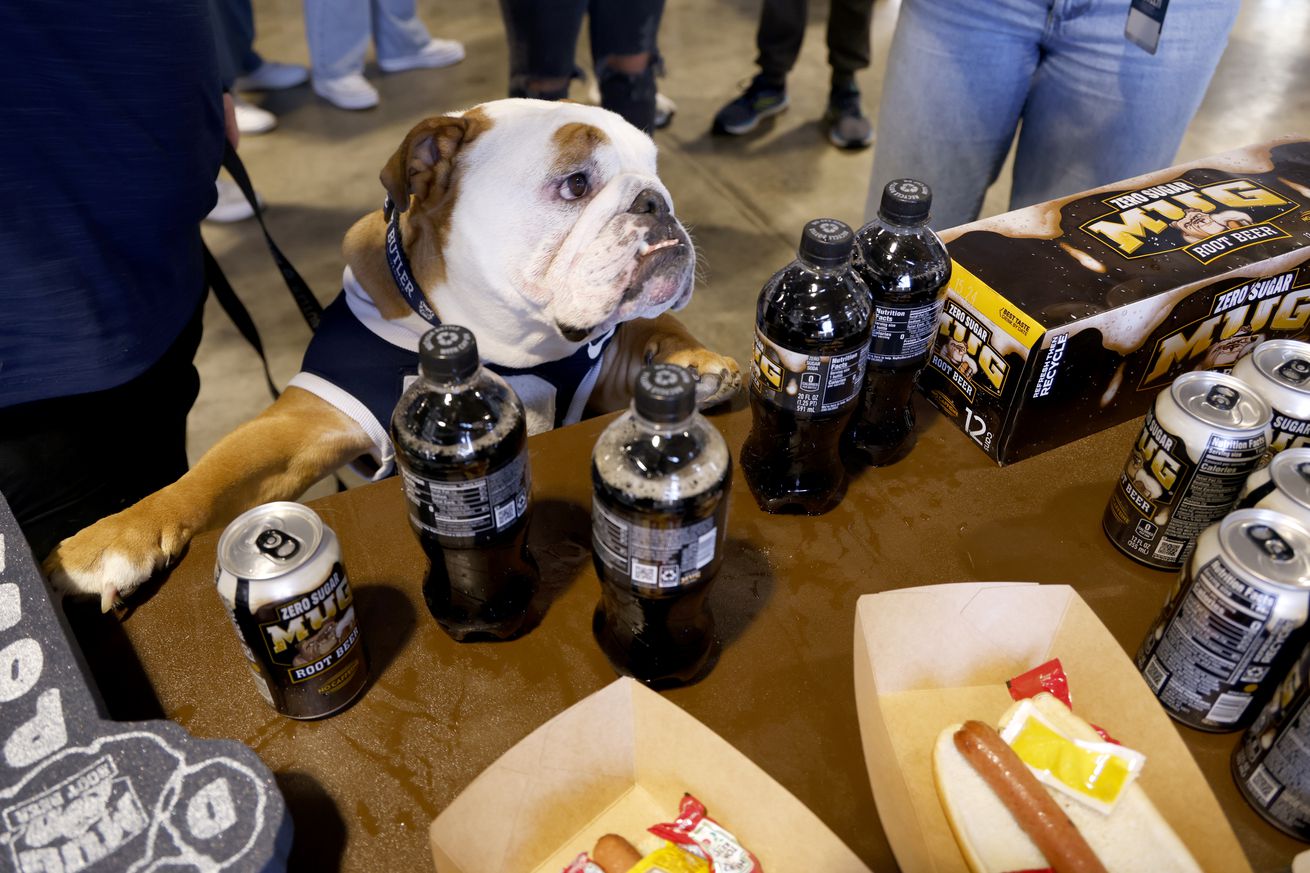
<point x="1145" y="21"/>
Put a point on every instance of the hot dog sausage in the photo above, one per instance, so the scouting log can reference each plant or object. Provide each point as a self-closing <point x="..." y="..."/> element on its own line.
<point x="1032" y="807"/>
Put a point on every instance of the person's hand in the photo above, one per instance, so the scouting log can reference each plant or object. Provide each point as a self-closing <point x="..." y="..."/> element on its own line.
<point x="230" y="120"/>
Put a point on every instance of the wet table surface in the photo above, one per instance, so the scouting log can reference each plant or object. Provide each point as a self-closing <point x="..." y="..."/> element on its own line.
<point x="364" y="785"/>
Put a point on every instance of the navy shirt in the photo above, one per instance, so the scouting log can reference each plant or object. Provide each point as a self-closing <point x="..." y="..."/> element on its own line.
<point x="363" y="374"/>
<point x="111" y="135"/>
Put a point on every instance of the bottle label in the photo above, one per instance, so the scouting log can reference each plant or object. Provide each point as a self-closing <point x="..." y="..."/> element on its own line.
<point x="665" y="557"/>
<point x="798" y="382"/>
<point x="902" y="334"/>
<point x="462" y="510"/>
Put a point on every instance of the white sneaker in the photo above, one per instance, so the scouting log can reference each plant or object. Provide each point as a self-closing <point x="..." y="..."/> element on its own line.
<point x="252" y="120"/>
<point x="232" y="204"/>
<point x="664" y="111"/>
<point x="437" y="53"/>
<point x="272" y="76"/>
<point x="347" y="92"/>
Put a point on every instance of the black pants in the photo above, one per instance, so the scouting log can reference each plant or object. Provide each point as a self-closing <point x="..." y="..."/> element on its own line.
<point x="782" y="27"/>
<point x="69" y="461"/>
<point x="543" y="39"/>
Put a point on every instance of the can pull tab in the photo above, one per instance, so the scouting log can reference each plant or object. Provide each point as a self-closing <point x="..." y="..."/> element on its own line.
<point x="1222" y="397"/>
<point x="1270" y="542"/>
<point x="1295" y="371"/>
<point x="277" y="544"/>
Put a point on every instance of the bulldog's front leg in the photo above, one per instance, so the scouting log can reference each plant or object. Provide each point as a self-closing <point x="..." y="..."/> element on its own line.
<point x="662" y="340"/>
<point x="290" y="446"/>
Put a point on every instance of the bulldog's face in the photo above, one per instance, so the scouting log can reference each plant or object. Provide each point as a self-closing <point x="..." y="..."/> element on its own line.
<point x="553" y="211"/>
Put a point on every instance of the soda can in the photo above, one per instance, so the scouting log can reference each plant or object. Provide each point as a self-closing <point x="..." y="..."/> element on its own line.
<point x="281" y="578"/>
<point x="1279" y="371"/>
<point x="1271" y="764"/>
<point x="1202" y="437"/>
<point x="1234" y="620"/>
<point x="1283" y="485"/>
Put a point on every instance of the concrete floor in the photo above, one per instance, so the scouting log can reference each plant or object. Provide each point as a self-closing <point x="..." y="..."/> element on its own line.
<point x="745" y="200"/>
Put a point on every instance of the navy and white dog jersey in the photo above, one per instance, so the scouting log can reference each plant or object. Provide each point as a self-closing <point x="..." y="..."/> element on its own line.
<point x="361" y="363"/>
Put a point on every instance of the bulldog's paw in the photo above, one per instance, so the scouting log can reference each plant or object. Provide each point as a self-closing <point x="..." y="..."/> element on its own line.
<point x="111" y="558"/>
<point x="718" y="378"/>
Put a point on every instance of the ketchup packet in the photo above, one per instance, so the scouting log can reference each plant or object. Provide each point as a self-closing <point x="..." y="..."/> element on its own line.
<point x="699" y="834"/>
<point x="582" y="864"/>
<point x="1048" y="677"/>
<point x="1044" y="677"/>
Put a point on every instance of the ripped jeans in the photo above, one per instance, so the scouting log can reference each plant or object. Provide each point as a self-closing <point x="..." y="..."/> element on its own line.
<point x="543" y="40"/>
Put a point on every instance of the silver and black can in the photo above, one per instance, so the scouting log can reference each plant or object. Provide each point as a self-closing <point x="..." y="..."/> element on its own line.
<point x="1279" y="371"/>
<point x="1202" y="437"/>
<point x="1271" y="764"/>
<point x="1233" y="621"/>
<point x="281" y="578"/>
<point x="1283" y="486"/>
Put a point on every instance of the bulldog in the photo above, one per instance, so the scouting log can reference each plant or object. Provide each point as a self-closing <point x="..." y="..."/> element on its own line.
<point x="540" y="226"/>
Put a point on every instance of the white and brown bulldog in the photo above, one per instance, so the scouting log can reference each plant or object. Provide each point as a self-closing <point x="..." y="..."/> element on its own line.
<point x="542" y="227"/>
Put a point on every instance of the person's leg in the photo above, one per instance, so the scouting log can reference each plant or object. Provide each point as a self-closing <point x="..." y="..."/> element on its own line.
<point x="543" y="37"/>
<point x="957" y="78"/>
<point x="623" y="52"/>
<point x="233" y="27"/>
<point x="337" y="32"/>
<point x="69" y="461"/>
<point x="397" y="29"/>
<point x="849" y="22"/>
<point x="849" y="25"/>
<point x="778" y="39"/>
<point x="1101" y="109"/>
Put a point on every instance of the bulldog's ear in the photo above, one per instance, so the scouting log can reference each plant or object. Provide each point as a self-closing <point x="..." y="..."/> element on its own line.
<point x="422" y="165"/>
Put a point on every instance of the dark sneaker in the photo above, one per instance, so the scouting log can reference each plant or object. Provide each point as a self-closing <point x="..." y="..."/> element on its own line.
<point x="759" y="101"/>
<point x="847" y="125"/>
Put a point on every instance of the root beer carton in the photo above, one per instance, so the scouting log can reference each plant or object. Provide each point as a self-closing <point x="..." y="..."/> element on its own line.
<point x="1068" y="317"/>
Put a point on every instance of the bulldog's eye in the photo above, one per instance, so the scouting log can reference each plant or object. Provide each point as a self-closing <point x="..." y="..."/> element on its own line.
<point x="574" y="186"/>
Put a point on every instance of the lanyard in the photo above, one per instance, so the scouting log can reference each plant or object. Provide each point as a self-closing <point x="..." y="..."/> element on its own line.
<point x="401" y="272"/>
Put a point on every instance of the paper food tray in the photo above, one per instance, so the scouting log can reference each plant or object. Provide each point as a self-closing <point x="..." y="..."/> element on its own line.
<point x="929" y="657"/>
<point x="620" y="761"/>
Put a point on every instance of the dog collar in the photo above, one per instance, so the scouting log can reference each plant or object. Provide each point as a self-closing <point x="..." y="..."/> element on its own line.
<point x="401" y="272"/>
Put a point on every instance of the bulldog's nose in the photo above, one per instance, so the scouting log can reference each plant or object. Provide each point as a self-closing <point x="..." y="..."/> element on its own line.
<point x="649" y="202"/>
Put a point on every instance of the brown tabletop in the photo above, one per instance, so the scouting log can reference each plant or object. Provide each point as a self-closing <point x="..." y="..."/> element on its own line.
<point x="363" y="785"/>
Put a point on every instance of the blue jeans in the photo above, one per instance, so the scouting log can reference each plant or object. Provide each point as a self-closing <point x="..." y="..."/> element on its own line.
<point x="1095" y="108"/>
<point x="338" y="31"/>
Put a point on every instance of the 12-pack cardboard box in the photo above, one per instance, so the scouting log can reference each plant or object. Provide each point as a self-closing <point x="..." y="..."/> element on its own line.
<point x="1068" y="317"/>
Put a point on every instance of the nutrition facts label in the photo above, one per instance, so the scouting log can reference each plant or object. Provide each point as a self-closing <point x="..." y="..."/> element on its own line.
<point x="462" y="510"/>
<point x="798" y="382"/>
<point x="664" y="557"/>
<point x="1215" y="650"/>
<point x="902" y="334"/>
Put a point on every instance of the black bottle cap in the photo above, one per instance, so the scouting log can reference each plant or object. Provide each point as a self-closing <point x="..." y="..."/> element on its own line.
<point x="826" y="242"/>
<point x="448" y="353"/>
<point x="905" y="201"/>
<point x="665" y="393"/>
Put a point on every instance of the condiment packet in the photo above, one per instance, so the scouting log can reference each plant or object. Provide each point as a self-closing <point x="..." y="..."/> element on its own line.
<point x="671" y="859"/>
<point x="582" y="864"/>
<point x="1093" y="773"/>
<point x="1049" y="677"/>
<point x="699" y="834"/>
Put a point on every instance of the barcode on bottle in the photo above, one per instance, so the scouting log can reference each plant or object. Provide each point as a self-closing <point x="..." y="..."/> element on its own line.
<point x="1263" y="786"/>
<point x="647" y="574"/>
<point x="1228" y="708"/>
<point x="1169" y="549"/>
<point x="1155" y="675"/>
